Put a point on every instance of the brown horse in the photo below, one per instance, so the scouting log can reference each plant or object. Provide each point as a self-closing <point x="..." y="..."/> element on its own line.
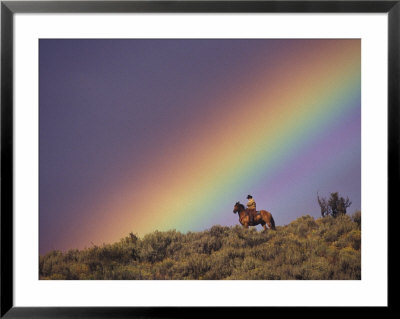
<point x="262" y="218"/>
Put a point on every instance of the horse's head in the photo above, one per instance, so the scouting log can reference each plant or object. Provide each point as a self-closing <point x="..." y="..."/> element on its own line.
<point x="237" y="207"/>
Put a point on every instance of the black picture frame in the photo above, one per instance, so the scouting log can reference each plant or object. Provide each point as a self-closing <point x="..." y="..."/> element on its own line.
<point x="9" y="8"/>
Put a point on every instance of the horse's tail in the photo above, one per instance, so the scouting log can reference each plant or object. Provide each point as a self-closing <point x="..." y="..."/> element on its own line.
<point x="272" y="223"/>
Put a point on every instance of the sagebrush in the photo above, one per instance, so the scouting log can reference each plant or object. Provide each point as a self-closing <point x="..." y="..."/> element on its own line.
<point x="308" y="248"/>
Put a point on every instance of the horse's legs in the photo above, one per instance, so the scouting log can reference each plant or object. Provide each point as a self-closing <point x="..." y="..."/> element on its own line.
<point x="270" y="225"/>
<point x="246" y="225"/>
<point x="262" y="222"/>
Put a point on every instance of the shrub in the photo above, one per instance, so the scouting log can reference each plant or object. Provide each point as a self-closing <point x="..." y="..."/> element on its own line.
<point x="351" y="239"/>
<point x="154" y="246"/>
<point x="349" y="264"/>
<point x="357" y="218"/>
<point x="306" y="249"/>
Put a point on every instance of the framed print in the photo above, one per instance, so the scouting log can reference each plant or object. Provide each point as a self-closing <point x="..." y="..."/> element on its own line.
<point x="163" y="155"/>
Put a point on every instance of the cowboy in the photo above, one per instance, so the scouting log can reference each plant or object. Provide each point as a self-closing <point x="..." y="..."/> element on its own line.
<point x="251" y="208"/>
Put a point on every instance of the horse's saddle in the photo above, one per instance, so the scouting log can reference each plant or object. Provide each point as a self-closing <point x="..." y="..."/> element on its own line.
<point x="255" y="212"/>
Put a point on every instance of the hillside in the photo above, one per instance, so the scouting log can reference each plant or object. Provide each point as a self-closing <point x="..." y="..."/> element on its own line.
<point x="307" y="248"/>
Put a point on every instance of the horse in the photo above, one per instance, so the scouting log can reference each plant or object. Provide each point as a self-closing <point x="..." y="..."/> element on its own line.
<point x="264" y="217"/>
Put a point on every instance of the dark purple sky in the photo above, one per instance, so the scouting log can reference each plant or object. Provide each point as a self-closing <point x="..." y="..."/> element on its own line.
<point x="106" y="105"/>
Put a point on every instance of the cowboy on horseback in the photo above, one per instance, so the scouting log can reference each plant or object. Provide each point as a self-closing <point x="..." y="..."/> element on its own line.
<point x="264" y="217"/>
<point x="251" y="208"/>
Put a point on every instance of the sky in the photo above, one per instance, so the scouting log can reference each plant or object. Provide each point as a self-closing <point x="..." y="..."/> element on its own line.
<point x="138" y="135"/>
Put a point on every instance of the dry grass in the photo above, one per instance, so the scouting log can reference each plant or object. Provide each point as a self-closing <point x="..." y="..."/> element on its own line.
<point x="326" y="248"/>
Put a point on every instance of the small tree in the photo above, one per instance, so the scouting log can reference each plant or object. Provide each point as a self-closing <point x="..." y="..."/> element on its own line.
<point x="334" y="206"/>
<point x="323" y="204"/>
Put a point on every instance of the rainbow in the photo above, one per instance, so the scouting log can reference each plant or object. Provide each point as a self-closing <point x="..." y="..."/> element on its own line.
<point x="256" y="133"/>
